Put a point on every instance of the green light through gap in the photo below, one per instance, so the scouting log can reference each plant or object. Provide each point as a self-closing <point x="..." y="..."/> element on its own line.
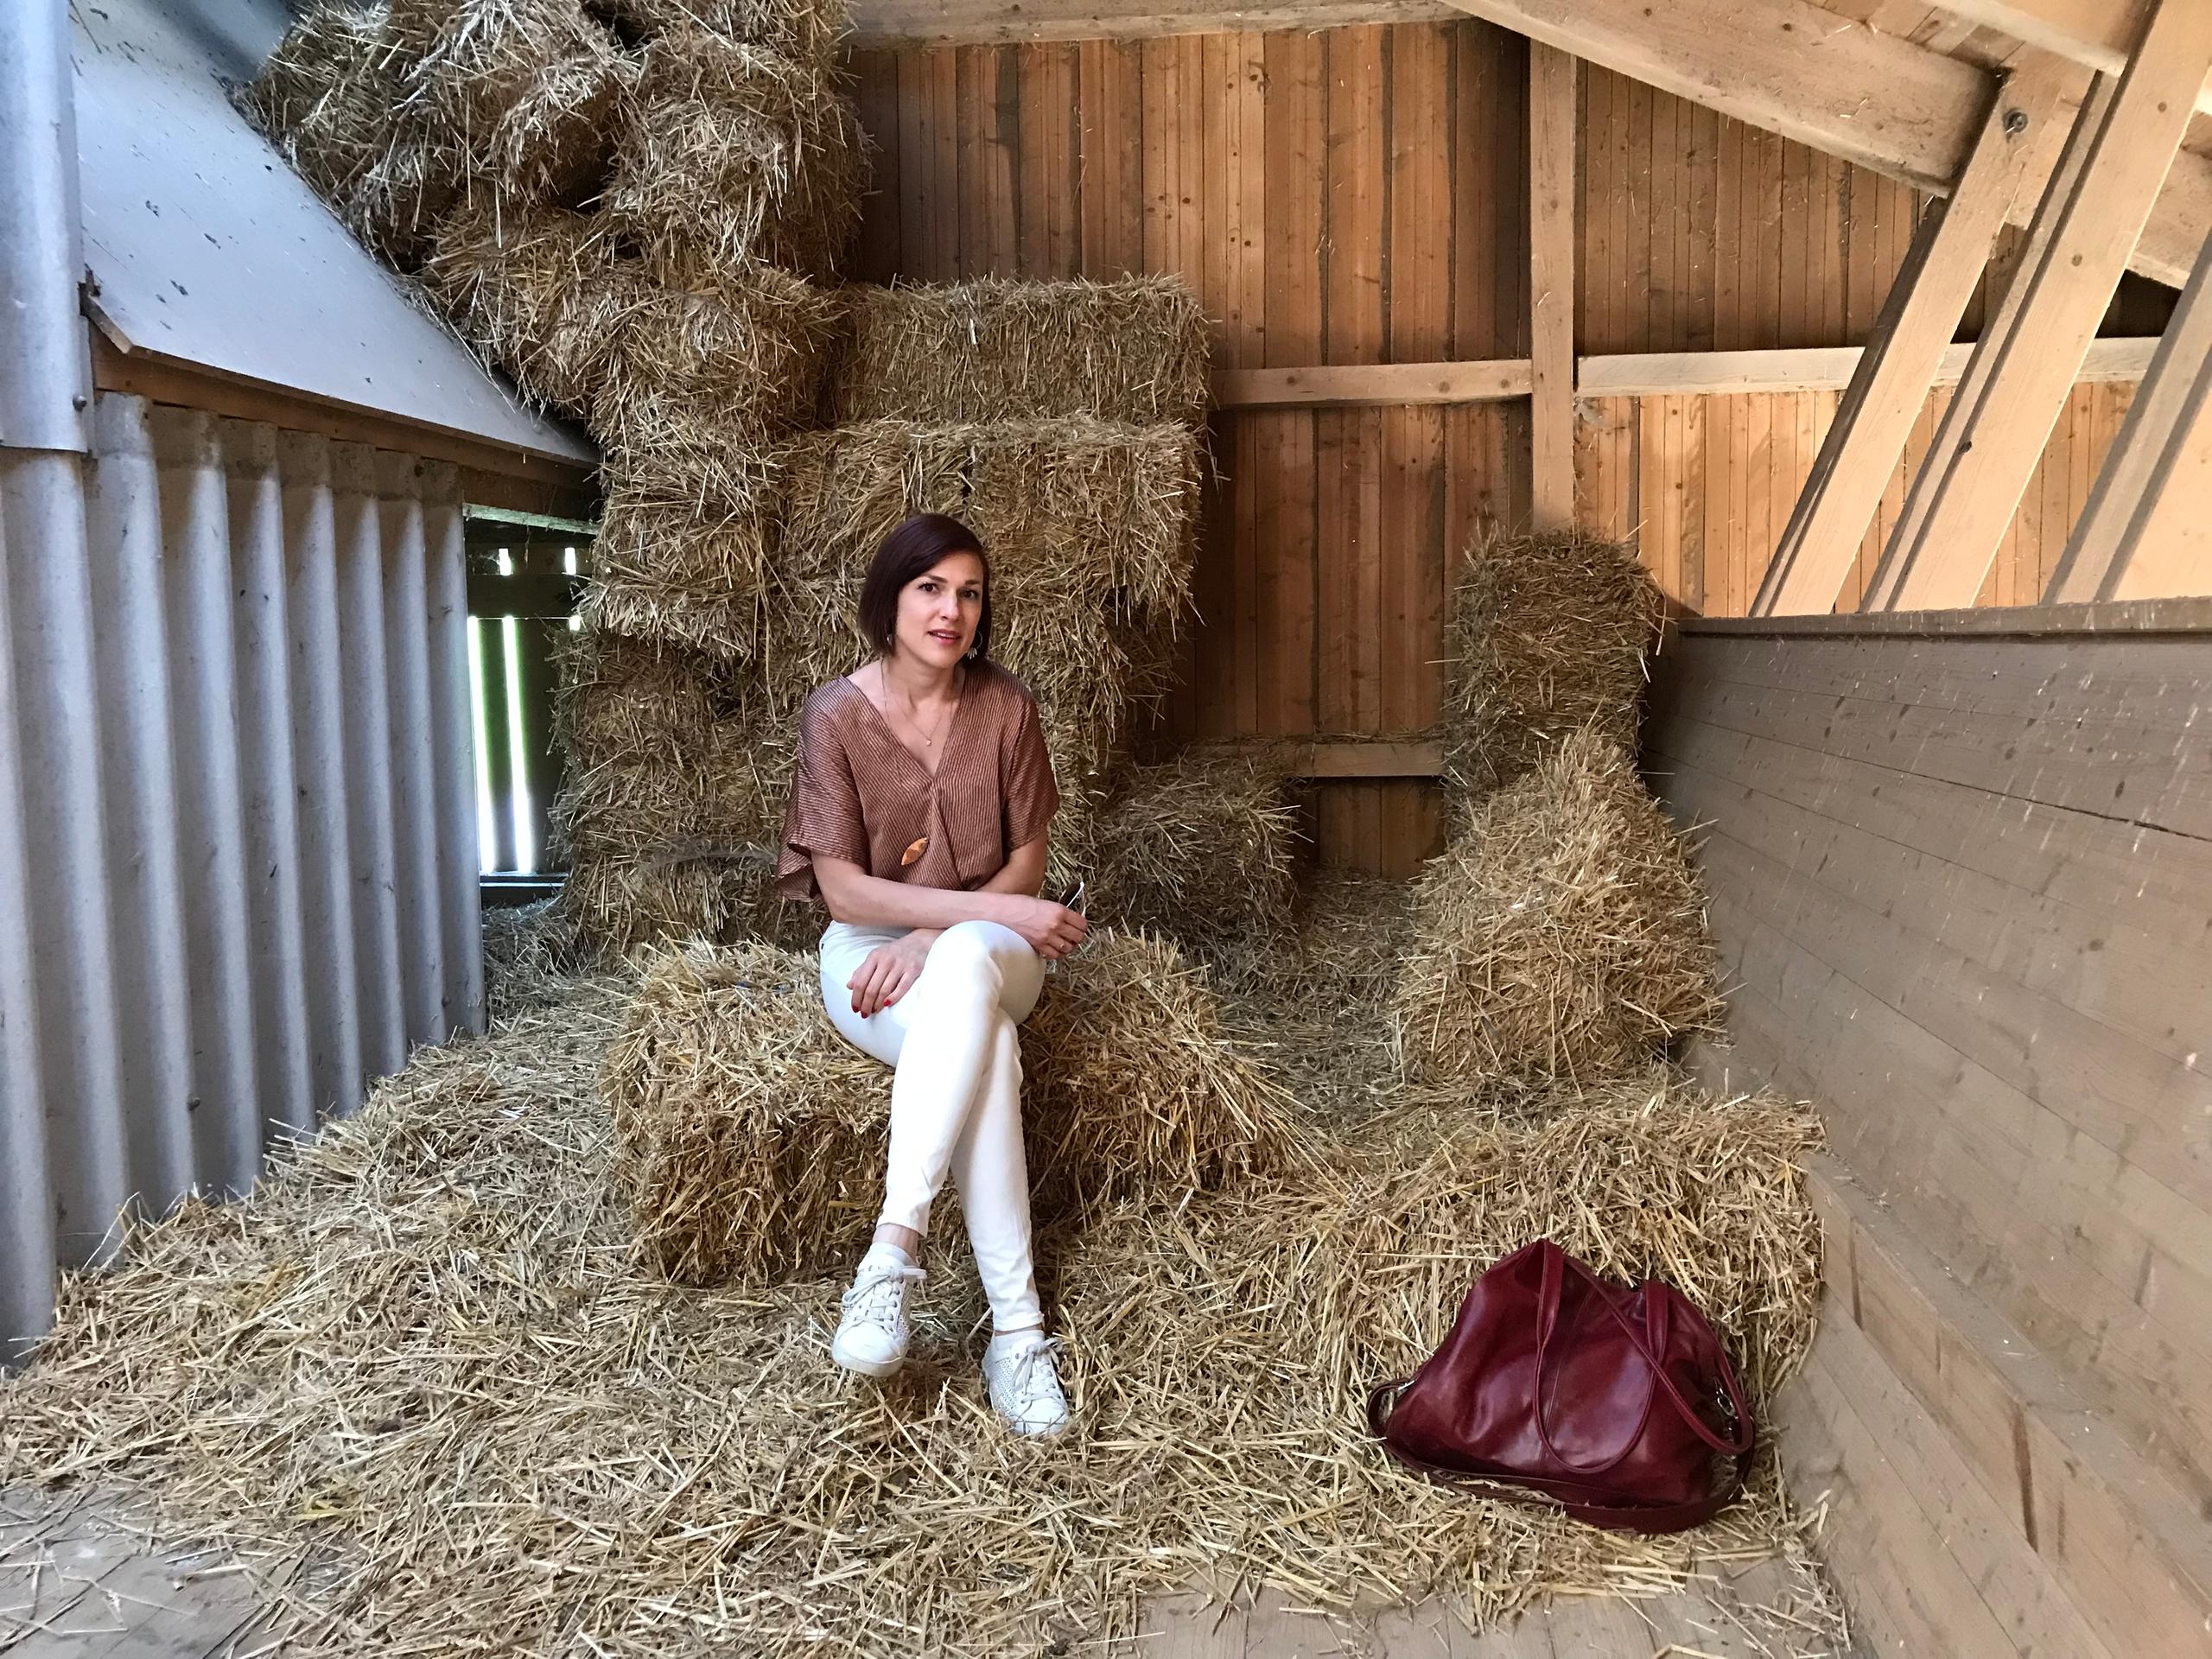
<point x="526" y="846"/>
<point x="487" y="846"/>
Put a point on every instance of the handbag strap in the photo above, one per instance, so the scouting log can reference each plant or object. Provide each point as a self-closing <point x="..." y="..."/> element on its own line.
<point x="1547" y="1318"/>
<point x="1655" y="1517"/>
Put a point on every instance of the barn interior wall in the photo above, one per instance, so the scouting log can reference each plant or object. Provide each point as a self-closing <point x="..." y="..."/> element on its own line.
<point x="1359" y="195"/>
<point x="1962" y="890"/>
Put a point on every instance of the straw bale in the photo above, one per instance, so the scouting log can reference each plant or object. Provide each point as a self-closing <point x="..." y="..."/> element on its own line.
<point x="807" y="30"/>
<point x="675" y="368"/>
<point x="737" y="154"/>
<point x="530" y="954"/>
<point x="998" y="349"/>
<point x="427" y="1352"/>
<point x="1549" y="633"/>
<point x="1199" y="848"/>
<point x="1561" y="934"/>
<point x="751" y="1136"/>
<point x="333" y="98"/>
<point x="1087" y="525"/>
<point x="635" y="720"/>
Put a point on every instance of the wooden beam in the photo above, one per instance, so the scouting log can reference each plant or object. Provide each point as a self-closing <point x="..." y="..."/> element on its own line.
<point x="1380" y="758"/>
<point x="1811" y="368"/>
<point x="1485" y="380"/>
<point x="492" y="474"/>
<point x="1551" y="125"/>
<point x="1633" y="374"/>
<point x="1796" y="68"/>
<point x="2099" y="35"/>
<point x="2093" y="216"/>
<point x="2142" y="534"/>
<point x="889" y="23"/>
<point x="1904" y="353"/>
<point x="1951" y="432"/>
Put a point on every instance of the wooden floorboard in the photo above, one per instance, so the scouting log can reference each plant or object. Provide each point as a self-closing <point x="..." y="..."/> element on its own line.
<point x="78" y="1581"/>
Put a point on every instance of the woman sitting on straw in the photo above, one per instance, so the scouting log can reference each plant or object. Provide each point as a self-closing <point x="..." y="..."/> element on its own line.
<point x="918" y="812"/>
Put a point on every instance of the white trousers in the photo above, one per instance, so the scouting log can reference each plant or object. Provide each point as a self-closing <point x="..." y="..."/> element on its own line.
<point x="956" y="1099"/>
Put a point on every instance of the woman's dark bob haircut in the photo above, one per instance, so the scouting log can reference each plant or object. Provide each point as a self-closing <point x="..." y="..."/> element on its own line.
<point x="916" y="546"/>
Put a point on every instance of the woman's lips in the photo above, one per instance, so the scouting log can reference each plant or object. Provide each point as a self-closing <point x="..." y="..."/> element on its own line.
<point x="945" y="634"/>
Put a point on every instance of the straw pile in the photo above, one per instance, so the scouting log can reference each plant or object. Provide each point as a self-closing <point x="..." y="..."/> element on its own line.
<point x="624" y="339"/>
<point x="750" y="1136"/>
<point x="1562" y="935"/>
<point x="737" y="153"/>
<point x="1548" y="633"/>
<point x="333" y="98"/>
<point x="427" y="1350"/>
<point x="993" y="349"/>
<point x="530" y="92"/>
<point x="710" y="137"/>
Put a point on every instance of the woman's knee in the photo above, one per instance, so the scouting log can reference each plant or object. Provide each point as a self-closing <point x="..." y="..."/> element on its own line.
<point x="970" y="952"/>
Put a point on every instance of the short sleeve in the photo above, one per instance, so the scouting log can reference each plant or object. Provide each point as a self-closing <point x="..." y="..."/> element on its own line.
<point x="824" y="815"/>
<point x="1027" y="788"/>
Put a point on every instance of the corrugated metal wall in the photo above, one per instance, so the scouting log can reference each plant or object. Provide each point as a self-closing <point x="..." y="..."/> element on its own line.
<point x="238" y="835"/>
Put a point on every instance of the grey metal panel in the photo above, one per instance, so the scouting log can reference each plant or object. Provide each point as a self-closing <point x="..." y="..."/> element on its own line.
<point x="319" y="768"/>
<point x="231" y="887"/>
<point x="67" y="895"/>
<point x="45" y="379"/>
<point x="205" y="247"/>
<point x="26" y="1197"/>
<point x="123" y="520"/>
<point x="414" y="769"/>
<point x="367" y="699"/>
<point x="454" y="732"/>
<point x="263" y="647"/>
<point x="211" y="819"/>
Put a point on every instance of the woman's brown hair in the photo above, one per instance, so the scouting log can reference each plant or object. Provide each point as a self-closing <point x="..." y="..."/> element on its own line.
<point x="914" y="547"/>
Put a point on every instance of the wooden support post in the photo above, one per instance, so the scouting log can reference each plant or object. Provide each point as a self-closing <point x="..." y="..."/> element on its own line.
<point x="1551" y="283"/>
<point x="2142" y="534"/>
<point x="2085" y="225"/>
<point x="1904" y="351"/>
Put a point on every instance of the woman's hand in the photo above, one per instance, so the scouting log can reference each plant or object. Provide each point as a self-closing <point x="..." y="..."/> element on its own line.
<point x="890" y="972"/>
<point x="1052" y="929"/>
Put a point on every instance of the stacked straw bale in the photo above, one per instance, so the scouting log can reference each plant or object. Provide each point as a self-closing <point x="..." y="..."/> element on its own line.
<point x="1562" y="936"/>
<point x="750" y="1136"/>
<point x="1548" y="633"/>
<point x="334" y="98"/>
<point x="999" y="350"/>
<point x="1199" y="848"/>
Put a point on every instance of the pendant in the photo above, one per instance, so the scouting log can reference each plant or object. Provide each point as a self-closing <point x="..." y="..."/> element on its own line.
<point x="914" y="851"/>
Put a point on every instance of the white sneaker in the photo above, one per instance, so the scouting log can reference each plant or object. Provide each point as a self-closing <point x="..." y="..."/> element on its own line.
<point x="872" y="1336"/>
<point x="1025" y="1387"/>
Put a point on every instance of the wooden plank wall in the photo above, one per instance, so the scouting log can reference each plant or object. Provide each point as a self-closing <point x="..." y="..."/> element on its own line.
<point x="1963" y="888"/>
<point x="1705" y="484"/>
<point x="1359" y="195"/>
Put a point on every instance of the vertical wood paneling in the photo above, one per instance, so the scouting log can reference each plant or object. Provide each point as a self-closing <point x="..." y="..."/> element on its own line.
<point x="1357" y="195"/>
<point x="1704" y="485"/>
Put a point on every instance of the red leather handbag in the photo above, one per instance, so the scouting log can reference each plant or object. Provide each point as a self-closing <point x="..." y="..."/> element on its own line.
<point x="1604" y="1399"/>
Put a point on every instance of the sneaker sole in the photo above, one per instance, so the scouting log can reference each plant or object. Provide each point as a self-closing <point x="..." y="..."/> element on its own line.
<point x="877" y="1369"/>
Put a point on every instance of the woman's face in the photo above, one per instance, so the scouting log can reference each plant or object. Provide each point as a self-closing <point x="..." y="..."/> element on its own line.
<point x="939" y="609"/>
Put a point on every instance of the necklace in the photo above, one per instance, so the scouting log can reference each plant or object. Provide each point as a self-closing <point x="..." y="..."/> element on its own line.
<point x="906" y="716"/>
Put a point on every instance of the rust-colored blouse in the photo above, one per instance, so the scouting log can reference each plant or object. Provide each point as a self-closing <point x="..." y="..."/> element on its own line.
<point x="860" y="794"/>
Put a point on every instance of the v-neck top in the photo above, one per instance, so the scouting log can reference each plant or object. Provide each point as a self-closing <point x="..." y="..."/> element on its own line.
<point x="860" y="794"/>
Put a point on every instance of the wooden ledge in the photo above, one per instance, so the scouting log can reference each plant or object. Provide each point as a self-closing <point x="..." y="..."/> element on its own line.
<point x="2110" y="616"/>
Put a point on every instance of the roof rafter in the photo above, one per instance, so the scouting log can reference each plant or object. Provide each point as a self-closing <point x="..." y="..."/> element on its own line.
<point x="1808" y="74"/>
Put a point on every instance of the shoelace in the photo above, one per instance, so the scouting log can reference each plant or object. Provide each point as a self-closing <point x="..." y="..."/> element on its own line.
<point x="874" y="1299"/>
<point x="1025" y="1387"/>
